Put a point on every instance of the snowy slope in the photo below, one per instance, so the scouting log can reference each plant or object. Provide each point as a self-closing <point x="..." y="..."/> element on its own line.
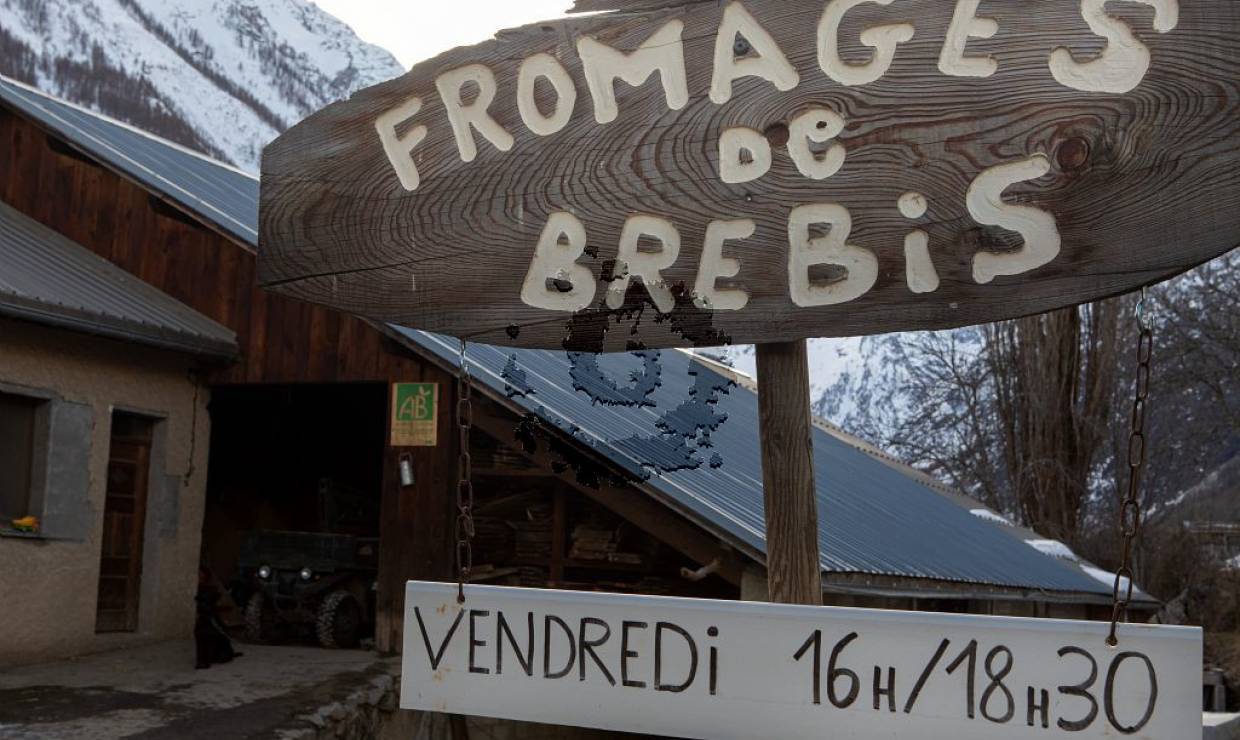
<point x="829" y="361"/>
<point x="236" y="72"/>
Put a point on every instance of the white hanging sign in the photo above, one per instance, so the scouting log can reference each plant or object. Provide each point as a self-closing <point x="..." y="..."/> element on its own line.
<point x="725" y="669"/>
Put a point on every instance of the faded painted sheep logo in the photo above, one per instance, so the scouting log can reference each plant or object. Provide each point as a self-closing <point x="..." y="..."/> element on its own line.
<point x="684" y="429"/>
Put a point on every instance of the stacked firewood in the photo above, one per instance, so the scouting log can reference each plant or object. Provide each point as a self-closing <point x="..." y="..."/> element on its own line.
<point x="592" y="543"/>
<point x="532" y="536"/>
<point x="649" y="585"/>
<point x="501" y="458"/>
<point x="493" y="540"/>
<point x="531" y="577"/>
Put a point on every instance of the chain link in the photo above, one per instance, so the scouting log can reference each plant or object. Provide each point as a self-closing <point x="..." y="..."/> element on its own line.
<point x="465" y="482"/>
<point x="1130" y="511"/>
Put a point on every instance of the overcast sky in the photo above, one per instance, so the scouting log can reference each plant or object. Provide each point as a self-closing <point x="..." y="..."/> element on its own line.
<point x="415" y="30"/>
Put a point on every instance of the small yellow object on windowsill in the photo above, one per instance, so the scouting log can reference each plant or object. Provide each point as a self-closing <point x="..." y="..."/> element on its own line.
<point x="29" y="525"/>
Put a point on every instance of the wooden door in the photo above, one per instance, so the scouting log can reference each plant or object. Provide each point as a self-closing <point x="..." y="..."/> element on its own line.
<point x="124" y="517"/>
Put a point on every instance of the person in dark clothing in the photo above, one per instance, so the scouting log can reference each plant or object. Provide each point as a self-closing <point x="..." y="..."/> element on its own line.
<point x="212" y="644"/>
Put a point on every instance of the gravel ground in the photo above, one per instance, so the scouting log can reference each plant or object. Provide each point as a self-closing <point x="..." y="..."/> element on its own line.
<point x="154" y="693"/>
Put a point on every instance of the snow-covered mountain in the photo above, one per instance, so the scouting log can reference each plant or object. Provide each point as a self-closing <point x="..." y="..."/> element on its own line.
<point x="830" y="360"/>
<point x="221" y="76"/>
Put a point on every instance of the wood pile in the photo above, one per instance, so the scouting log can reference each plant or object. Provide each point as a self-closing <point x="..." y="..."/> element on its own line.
<point x="649" y="585"/>
<point x="532" y="537"/>
<point x="591" y="543"/>
<point x="502" y="458"/>
<point x="493" y="540"/>
<point x="532" y="577"/>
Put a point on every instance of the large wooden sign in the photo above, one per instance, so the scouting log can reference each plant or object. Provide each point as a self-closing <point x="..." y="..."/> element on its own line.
<point x="677" y="173"/>
<point x="715" y="669"/>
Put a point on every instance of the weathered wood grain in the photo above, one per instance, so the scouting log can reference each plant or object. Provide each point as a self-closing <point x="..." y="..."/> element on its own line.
<point x="120" y="221"/>
<point x="1142" y="185"/>
<point x="595" y="6"/>
<point x="793" y="566"/>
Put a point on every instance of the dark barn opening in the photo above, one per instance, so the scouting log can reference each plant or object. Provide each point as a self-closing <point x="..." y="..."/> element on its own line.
<point x="292" y="458"/>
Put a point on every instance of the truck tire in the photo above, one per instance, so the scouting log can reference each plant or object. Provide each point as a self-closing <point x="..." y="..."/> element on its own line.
<point x="339" y="621"/>
<point x="260" y="619"/>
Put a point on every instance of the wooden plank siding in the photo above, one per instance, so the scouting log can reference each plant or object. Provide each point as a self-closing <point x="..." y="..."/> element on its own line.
<point x="417" y="530"/>
<point x="281" y="340"/>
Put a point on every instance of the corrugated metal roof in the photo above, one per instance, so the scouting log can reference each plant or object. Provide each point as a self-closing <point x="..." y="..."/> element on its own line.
<point x="45" y="277"/>
<point x="699" y="451"/>
<point x="224" y="197"/>
<point x="694" y="438"/>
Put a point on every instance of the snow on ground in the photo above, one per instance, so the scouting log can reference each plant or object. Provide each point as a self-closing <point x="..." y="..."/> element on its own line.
<point x="316" y="47"/>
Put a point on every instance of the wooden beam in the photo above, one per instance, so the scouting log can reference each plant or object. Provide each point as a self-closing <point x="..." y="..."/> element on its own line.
<point x="417" y="524"/>
<point x="391" y="559"/>
<point x="794" y="569"/>
<point x="559" y="537"/>
<point x="508" y="473"/>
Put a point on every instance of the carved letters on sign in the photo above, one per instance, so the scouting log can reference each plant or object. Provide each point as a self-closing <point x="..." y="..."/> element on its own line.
<point x="556" y="282"/>
<point x="1120" y="68"/>
<point x="693" y="173"/>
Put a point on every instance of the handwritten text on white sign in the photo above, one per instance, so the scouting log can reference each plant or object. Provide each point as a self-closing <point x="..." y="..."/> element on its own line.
<point x="713" y="669"/>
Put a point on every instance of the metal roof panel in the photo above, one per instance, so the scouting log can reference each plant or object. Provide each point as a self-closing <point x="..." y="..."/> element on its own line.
<point x="694" y="438"/>
<point x="47" y="278"/>
<point x="225" y="197"/>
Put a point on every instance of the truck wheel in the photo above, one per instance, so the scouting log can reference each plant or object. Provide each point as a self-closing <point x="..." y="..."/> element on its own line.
<point x="260" y="619"/>
<point x="340" y="621"/>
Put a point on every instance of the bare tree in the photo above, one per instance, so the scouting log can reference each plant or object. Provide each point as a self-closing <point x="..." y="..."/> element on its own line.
<point x="1031" y="416"/>
<point x="928" y="398"/>
<point x="1053" y="378"/>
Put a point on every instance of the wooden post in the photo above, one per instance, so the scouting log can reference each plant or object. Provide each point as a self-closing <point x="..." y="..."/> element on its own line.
<point x="417" y="525"/>
<point x="794" y="571"/>
<point x="559" y="538"/>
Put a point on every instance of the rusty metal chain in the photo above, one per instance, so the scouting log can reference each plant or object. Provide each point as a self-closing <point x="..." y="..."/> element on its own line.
<point x="1130" y="511"/>
<point x="465" y="483"/>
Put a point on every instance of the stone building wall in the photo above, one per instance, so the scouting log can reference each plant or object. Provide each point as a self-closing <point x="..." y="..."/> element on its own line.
<point x="50" y="582"/>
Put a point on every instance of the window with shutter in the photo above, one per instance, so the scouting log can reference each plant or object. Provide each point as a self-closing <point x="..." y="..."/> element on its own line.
<point x="18" y="447"/>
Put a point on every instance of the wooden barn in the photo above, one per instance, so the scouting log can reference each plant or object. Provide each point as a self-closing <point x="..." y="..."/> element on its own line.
<point x="636" y="472"/>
